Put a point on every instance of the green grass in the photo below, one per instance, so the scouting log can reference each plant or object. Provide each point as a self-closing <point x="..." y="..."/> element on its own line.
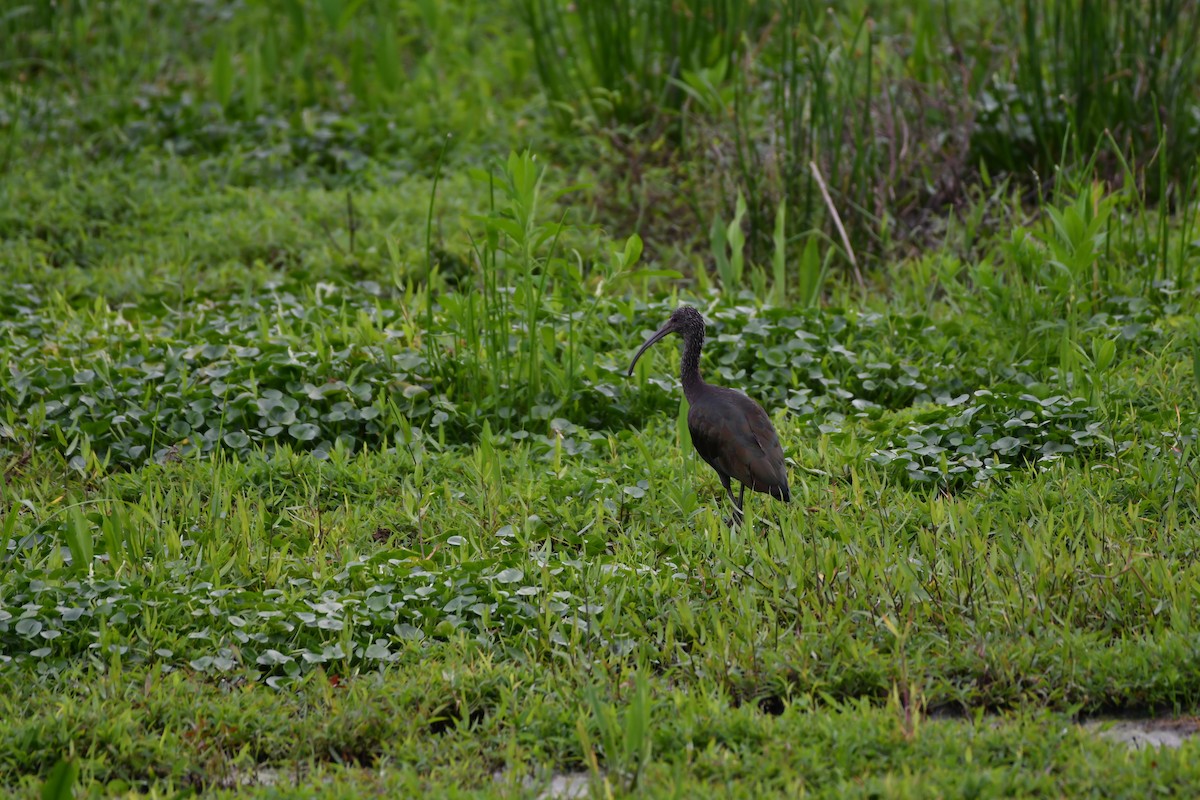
<point x="322" y="472"/>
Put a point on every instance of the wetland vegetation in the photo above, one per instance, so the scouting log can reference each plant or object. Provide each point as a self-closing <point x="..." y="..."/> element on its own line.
<point x="322" y="474"/>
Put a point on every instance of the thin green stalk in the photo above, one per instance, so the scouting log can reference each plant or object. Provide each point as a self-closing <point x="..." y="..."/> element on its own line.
<point x="432" y="355"/>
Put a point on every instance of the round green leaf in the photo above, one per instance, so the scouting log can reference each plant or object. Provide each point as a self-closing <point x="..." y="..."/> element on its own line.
<point x="304" y="431"/>
<point x="236" y="439"/>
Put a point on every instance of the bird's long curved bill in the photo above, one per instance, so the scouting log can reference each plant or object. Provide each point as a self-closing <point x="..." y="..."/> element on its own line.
<point x="660" y="333"/>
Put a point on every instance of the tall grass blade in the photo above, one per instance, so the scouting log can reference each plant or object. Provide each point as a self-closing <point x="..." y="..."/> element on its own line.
<point x="222" y="74"/>
<point x="779" y="256"/>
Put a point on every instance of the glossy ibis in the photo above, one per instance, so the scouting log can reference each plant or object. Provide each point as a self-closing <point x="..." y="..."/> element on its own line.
<point x="729" y="430"/>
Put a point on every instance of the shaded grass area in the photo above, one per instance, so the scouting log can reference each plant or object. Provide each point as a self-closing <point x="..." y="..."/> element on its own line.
<point x="157" y="227"/>
<point x="421" y="730"/>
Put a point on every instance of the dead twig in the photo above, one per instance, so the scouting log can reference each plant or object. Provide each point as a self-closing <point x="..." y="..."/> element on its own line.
<point x="837" y="221"/>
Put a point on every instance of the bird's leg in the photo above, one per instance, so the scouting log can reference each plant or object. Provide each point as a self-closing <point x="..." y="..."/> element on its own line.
<point x="737" y="504"/>
<point x="738" y="514"/>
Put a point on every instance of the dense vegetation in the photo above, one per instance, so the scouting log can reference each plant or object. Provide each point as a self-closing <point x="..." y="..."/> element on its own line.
<point x="320" y="463"/>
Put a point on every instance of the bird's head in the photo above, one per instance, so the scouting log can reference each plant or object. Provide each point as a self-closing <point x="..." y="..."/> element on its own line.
<point x="686" y="321"/>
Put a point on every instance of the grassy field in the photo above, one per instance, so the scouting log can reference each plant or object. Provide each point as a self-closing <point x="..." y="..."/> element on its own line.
<point x="322" y="474"/>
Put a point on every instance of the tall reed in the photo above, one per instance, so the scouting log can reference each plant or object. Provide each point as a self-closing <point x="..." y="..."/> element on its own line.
<point x="621" y="60"/>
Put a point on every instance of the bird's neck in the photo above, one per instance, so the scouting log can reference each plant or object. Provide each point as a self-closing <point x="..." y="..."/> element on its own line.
<point x="689" y="368"/>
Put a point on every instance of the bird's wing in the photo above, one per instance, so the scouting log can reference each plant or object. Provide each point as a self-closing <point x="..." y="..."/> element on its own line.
<point x="767" y="471"/>
<point x="735" y="436"/>
<point x="708" y="432"/>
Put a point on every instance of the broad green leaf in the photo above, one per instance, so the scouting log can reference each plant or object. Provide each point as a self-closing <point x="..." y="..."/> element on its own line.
<point x="60" y="782"/>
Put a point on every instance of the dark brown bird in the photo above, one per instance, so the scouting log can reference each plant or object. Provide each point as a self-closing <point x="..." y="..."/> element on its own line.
<point x="729" y="430"/>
